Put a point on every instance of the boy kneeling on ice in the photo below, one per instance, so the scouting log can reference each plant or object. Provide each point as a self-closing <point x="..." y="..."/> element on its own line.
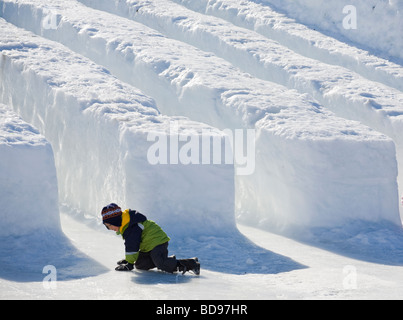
<point x="146" y="243"/>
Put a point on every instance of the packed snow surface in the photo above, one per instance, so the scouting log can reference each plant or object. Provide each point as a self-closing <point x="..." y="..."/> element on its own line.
<point x="265" y="140"/>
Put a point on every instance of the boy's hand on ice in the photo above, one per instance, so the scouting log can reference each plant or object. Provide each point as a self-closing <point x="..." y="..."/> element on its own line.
<point x="125" y="267"/>
<point x="122" y="262"/>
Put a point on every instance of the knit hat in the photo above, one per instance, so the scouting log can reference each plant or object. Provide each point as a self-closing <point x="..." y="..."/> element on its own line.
<point x="112" y="214"/>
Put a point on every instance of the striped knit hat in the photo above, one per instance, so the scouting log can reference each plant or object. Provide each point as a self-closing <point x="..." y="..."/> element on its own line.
<point x="112" y="214"/>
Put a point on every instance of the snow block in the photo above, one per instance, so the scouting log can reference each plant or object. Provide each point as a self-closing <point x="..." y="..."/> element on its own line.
<point x="28" y="183"/>
<point x="329" y="178"/>
<point x="102" y="130"/>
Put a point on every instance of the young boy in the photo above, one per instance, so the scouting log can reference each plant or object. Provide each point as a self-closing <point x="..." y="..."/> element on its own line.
<point x="146" y="243"/>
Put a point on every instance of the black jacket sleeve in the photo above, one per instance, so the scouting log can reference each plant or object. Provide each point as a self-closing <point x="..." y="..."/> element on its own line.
<point x="132" y="234"/>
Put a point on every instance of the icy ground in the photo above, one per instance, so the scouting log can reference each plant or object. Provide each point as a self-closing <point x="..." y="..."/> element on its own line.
<point x="314" y="273"/>
<point x="135" y="102"/>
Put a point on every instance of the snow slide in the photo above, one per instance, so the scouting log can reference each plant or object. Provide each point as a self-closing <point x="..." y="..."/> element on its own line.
<point x="307" y="172"/>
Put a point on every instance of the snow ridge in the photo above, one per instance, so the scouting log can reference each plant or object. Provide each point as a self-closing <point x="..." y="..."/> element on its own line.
<point x="30" y="210"/>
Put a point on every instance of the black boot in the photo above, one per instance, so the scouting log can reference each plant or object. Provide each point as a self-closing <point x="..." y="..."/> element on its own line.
<point x="189" y="265"/>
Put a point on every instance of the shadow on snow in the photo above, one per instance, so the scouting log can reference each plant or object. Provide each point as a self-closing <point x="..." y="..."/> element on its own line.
<point x="233" y="254"/>
<point x="24" y="258"/>
<point x="375" y="242"/>
<point x="153" y="277"/>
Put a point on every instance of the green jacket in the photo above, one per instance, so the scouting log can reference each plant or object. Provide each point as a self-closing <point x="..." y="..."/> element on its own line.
<point x="140" y="234"/>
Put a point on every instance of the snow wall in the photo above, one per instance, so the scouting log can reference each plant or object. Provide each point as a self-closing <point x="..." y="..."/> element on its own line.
<point x="30" y="222"/>
<point x="28" y="182"/>
<point x="311" y="166"/>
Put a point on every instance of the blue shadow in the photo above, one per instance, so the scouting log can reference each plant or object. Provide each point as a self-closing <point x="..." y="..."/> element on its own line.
<point x="376" y="242"/>
<point x="24" y="258"/>
<point x="233" y="254"/>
